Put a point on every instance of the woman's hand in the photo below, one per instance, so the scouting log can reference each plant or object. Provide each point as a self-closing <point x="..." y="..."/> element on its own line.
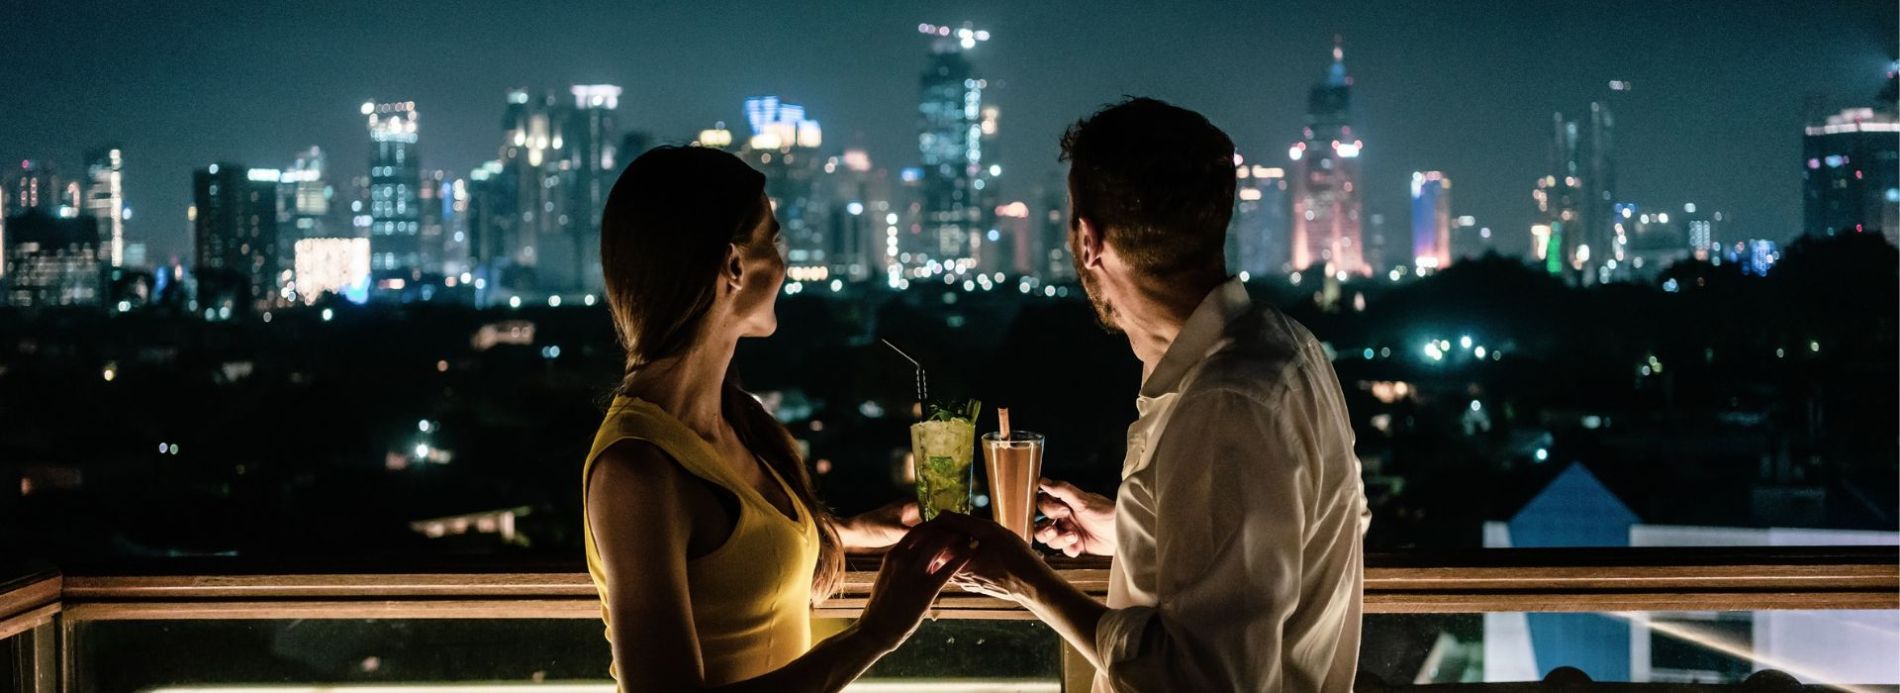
<point x="875" y="530"/>
<point x="914" y="571"/>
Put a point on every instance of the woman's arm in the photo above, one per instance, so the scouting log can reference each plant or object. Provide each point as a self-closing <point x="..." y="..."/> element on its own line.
<point x="875" y="530"/>
<point x="636" y="511"/>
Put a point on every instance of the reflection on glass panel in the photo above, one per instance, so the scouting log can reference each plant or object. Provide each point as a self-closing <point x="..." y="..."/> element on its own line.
<point x="481" y="655"/>
<point x="1026" y="654"/>
<point x="12" y="657"/>
<point x="213" y="655"/>
<point x="1817" y="647"/>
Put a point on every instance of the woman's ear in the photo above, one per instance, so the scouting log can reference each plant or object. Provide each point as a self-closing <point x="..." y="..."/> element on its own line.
<point x="732" y="271"/>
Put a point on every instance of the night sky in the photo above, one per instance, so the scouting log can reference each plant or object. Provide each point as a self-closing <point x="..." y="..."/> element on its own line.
<point x="1721" y="87"/>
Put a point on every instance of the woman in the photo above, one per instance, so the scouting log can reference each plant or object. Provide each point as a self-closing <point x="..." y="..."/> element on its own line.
<point x="703" y="535"/>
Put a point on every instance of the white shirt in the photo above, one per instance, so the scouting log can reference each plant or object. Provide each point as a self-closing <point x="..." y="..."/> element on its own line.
<point x="1240" y="515"/>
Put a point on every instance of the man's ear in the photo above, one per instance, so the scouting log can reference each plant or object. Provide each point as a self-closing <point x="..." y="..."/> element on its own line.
<point x="1089" y="243"/>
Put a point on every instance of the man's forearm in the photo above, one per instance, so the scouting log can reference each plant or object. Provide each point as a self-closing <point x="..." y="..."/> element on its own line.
<point x="1071" y="613"/>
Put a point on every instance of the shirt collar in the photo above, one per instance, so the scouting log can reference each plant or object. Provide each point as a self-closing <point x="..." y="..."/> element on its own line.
<point x="1198" y="337"/>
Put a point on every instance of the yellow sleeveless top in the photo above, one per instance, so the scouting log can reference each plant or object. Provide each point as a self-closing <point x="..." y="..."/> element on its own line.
<point x="751" y="597"/>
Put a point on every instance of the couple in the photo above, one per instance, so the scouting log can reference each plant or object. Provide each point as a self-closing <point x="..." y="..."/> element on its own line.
<point x="1235" y="535"/>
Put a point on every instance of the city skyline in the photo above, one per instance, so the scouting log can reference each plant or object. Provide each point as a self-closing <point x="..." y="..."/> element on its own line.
<point x="1722" y="134"/>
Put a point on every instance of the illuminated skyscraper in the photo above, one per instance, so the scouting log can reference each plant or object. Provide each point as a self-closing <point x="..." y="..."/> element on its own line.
<point x="1599" y="195"/>
<point x="1431" y="220"/>
<point x="1559" y="198"/>
<point x="52" y="261"/>
<point x="1327" y="230"/>
<point x="303" y="198"/>
<point x="1257" y="234"/>
<point x="395" y="185"/>
<point x="35" y="185"/>
<point x="861" y="216"/>
<point x="784" y="145"/>
<point x="105" y="199"/>
<point x="1576" y="235"/>
<point x="544" y="253"/>
<point x="1851" y="174"/>
<point x="1054" y="264"/>
<point x="593" y="152"/>
<point x="950" y="139"/>
<point x="234" y="238"/>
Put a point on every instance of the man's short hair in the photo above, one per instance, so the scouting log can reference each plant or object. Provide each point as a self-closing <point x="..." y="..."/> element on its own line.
<point x="1157" y="181"/>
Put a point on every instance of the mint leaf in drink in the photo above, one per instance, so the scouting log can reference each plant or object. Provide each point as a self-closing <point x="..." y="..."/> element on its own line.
<point x="955" y="410"/>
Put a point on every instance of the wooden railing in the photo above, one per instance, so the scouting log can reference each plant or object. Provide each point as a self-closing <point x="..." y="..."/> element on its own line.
<point x="1492" y="580"/>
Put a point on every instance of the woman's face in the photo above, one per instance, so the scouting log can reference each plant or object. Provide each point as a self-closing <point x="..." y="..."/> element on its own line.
<point x="762" y="271"/>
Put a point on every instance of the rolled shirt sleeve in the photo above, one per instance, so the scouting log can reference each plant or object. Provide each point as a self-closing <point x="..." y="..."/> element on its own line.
<point x="1234" y="490"/>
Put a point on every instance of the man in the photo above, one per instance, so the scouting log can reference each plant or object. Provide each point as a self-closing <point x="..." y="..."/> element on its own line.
<point x="1236" y="533"/>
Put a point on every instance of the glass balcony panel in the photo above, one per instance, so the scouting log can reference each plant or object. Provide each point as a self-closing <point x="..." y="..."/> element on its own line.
<point x="1840" y="648"/>
<point x="236" y="656"/>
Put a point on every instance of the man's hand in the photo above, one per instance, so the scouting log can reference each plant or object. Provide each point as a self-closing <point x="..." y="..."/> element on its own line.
<point x="874" y="530"/>
<point x="1002" y="565"/>
<point x="1078" y="522"/>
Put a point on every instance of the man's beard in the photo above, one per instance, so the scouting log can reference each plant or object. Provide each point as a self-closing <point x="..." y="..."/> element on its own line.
<point x="1104" y="313"/>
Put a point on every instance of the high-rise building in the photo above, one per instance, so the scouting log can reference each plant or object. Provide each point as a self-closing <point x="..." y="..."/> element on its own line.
<point x="1576" y="233"/>
<point x="861" y="216"/>
<point x="234" y="238"/>
<point x="395" y="188"/>
<point x="1599" y="193"/>
<point x="1431" y="220"/>
<point x="1054" y="263"/>
<point x="303" y="198"/>
<point x="52" y="260"/>
<point x="491" y="221"/>
<point x="1009" y="245"/>
<point x="593" y="150"/>
<point x="1851" y="174"/>
<point x="1559" y="200"/>
<point x="1257" y="233"/>
<point x="543" y="253"/>
<point x="951" y="136"/>
<point x="785" y="146"/>
<point x="435" y="196"/>
<point x="457" y="243"/>
<point x="105" y="198"/>
<point x="35" y="185"/>
<point x="1327" y="205"/>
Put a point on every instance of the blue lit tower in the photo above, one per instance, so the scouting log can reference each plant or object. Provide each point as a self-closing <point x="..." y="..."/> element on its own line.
<point x="1327" y="230"/>
<point x="1431" y="220"/>
<point x="395" y="189"/>
<point x="950" y="138"/>
<point x="784" y="145"/>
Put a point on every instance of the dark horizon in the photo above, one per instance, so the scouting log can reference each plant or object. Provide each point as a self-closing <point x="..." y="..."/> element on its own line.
<point x="1720" y="89"/>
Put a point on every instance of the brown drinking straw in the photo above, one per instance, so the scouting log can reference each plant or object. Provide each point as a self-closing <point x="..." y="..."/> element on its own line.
<point x="1002" y="421"/>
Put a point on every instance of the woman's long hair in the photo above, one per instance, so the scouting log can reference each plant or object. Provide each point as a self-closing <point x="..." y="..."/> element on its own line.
<point x="663" y="240"/>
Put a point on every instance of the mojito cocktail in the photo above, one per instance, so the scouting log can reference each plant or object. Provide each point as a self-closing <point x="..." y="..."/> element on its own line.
<point x="942" y="450"/>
